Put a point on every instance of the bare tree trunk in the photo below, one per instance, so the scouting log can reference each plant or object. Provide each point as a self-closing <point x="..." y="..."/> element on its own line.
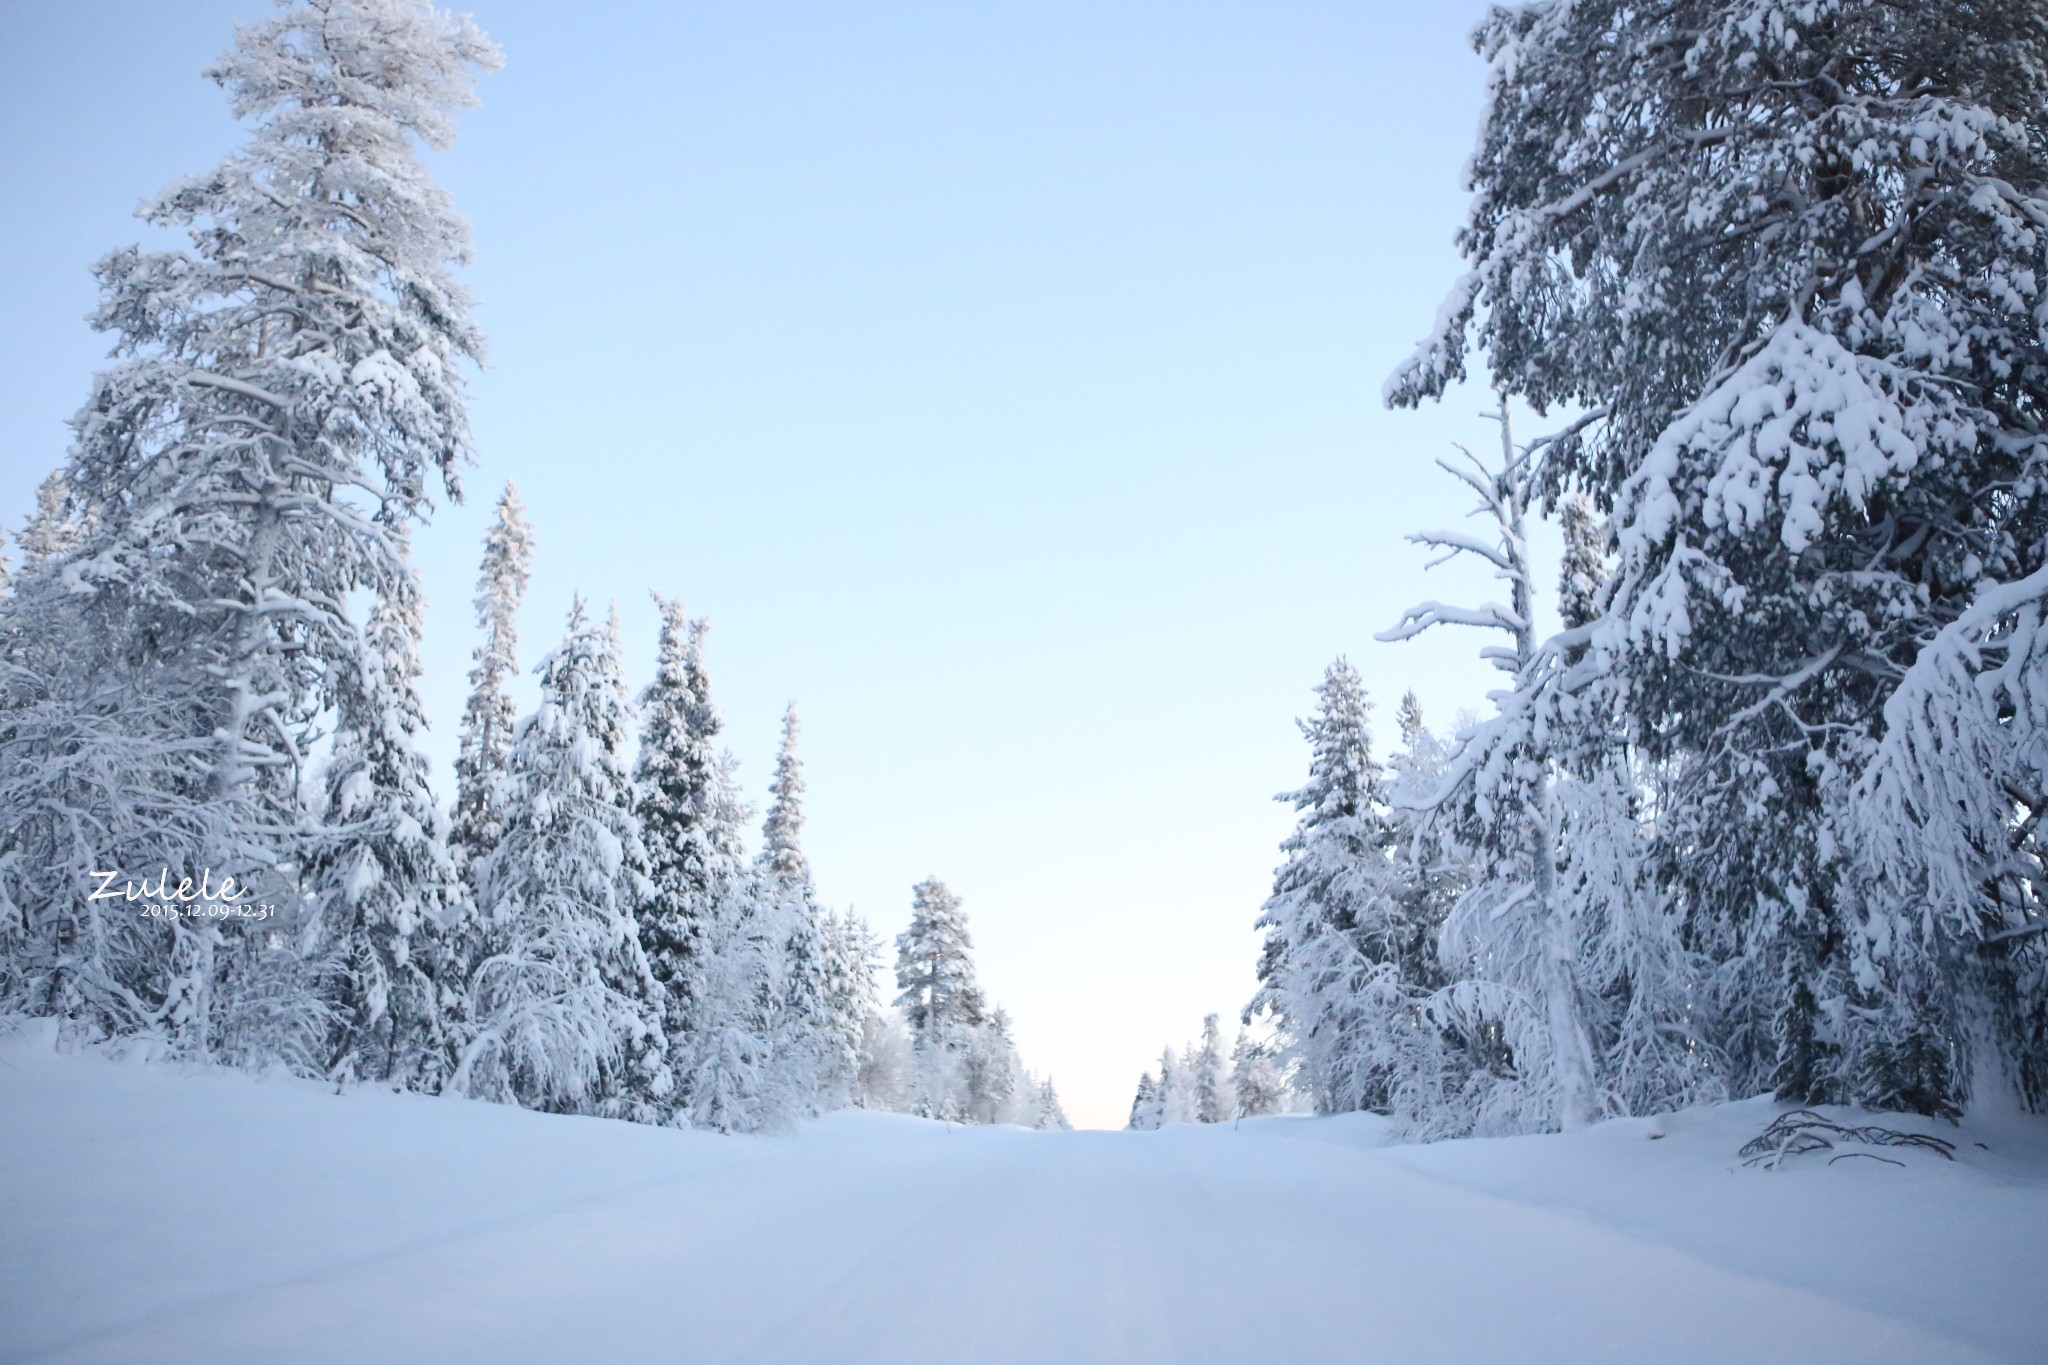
<point x="1571" y="1052"/>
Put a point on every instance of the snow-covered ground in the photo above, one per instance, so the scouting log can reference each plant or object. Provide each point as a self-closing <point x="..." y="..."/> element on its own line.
<point x="153" y="1215"/>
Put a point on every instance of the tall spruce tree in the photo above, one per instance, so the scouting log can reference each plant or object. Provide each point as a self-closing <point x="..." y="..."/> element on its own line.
<point x="1788" y="257"/>
<point x="933" y="971"/>
<point x="379" y="874"/>
<point x="782" y="854"/>
<point x="283" y="392"/>
<point x="711" y="930"/>
<point x="809" y="1044"/>
<point x="672" y="778"/>
<point x="676" y="774"/>
<point x="851" y="955"/>
<point x="1338" y="947"/>
<point x="1176" y="1094"/>
<point x="1212" y="1081"/>
<point x="939" y="998"/>
<point x="489" y="717"/>
<point x="566" y="1013"/>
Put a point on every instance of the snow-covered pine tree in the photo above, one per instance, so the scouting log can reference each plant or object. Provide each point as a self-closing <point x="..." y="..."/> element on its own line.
<point x="1789" y="256"/>
<point x="674" y="773"/>
<point x="885" y="1063"/>
<point x="1212" y="1081"/>
<point x="1340" y="956"/>
<point x="1409" y="719"/>
<point x="379" y="875"/>
<point x="489" y="717"/>
<point x="782" y="853"/>
<point x="1512" y="933"/>
<point x="850" y="955"/>
<point x="566" y="1017"/>
<point x="1584" y="571"/>
<point x="933" y="969"/>
<point x="1176" y="1086"/>
<point x="939" y="997"/>
<point x="1554" y="932"/>
<point x="991" y="1075"/>
<point x="735" y="1077"/>
<point x="1146" y="1112"/>
<point x="1256" y="1086"/>
<point x="283" y="391"/>
<point x="1438" y="866"/>
<point x="943" y="1053"/>
<point x="714" y="933"/>
<point x="1050" y="1116"/>
<point x="1643" y="989"/>
<point x="809" y="1044"/>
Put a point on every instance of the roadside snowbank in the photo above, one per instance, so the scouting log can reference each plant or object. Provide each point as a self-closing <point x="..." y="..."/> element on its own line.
<point x="155" y="1215"/>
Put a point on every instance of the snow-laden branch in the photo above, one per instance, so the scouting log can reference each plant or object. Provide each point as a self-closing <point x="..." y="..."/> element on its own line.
<point x="209" y="380"/>
<point x="1458" y="542"/>
<point x="1490" y="616"/>
<point x="1966" y="728"/>
<point x="1781" y="688"/>
<point x="1566" y="432"/>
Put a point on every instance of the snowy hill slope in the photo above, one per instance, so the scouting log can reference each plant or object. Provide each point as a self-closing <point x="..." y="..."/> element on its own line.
<point x="156" y="1216"/>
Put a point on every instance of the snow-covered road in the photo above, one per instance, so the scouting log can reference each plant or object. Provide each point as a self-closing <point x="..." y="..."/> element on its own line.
<point x="158" y="1217"/>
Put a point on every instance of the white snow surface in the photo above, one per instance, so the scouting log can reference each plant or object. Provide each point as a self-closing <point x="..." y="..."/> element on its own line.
<point x="152" y="1214"/>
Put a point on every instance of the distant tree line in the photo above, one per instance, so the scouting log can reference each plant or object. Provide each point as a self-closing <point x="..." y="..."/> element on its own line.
<point x="1200" y="1084"/>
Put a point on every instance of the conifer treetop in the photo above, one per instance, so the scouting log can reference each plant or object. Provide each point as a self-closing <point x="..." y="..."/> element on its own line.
<point x="489" y="716"/>
<point x="782" y="855"/>
<point x="933" y="970"/>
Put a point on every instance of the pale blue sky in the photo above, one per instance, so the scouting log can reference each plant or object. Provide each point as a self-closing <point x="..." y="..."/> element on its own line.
<point x="1002" y="380"/>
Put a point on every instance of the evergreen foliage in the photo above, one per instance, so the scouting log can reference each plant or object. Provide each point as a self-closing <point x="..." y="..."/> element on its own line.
<point x="1763" y="815"/>
<point x="1584" y="571"/>
<point x="565" y="1004"/>
<point x="811" y="1036"/>
<point x="209" y="664"/>
<point x="1340" y="950"/>
<point x="489" y="718"/>
<point x="1197" y="1085"/>
<point x="1147" y="1113"/>
<point x="693" y="866"/>
<point x="1050" y="1116"/>
<point x="283" y="393"/>
<point x="849" y="955"/>
<point x="940" y="997"/>
<point x="963" y="1063"/>
<point x="383" y="886"/>
<point x="782" y="855"/>
<point x="1256" y="1086"/>
<point x="1211" y="1081"/>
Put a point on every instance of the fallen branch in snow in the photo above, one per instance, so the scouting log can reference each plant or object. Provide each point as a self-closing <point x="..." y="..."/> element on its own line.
<point x="1803" y="1131"/>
